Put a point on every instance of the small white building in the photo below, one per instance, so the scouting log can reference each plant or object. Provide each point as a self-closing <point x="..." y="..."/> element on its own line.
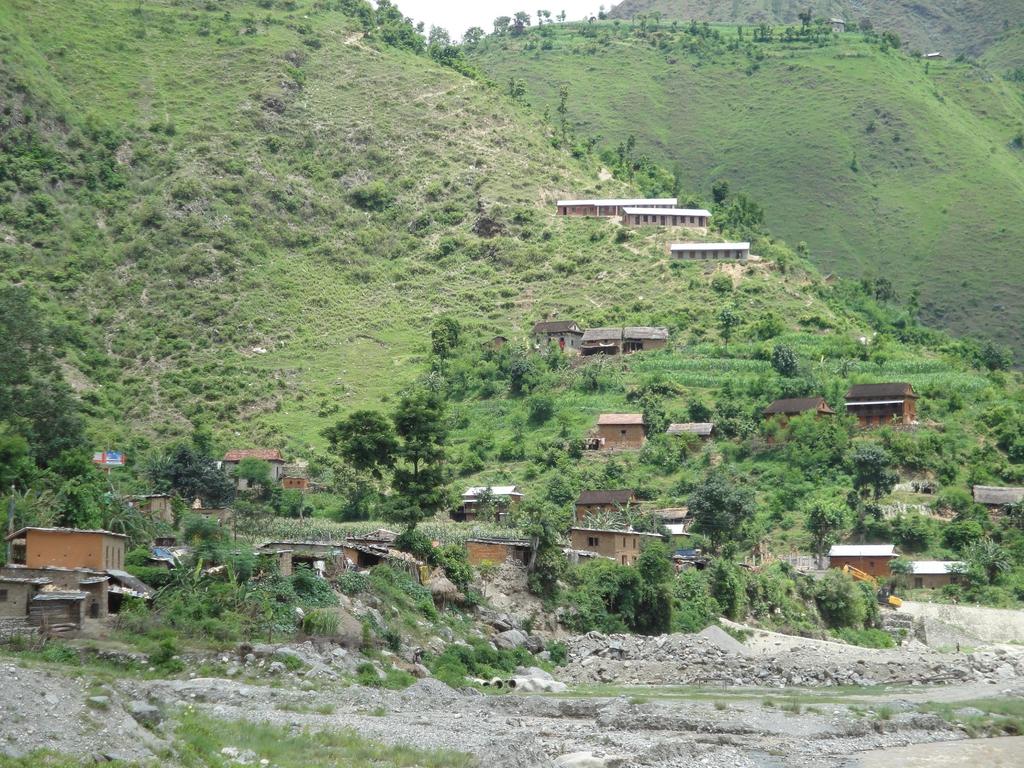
<point x="710" y="251"/>
<point x="694" y="218"/>
<point x="838" y="25"/>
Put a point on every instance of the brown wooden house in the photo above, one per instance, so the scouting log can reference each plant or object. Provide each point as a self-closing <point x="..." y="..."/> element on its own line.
<point x="565" y="333"/>
<point x="881" y="404"/>
<point x="68" y="548"/>
<point x="872" y="559"/>
<point x="621" y="546"/>
<point x="497" y="550"/>
<point x="789" y="407"/>
<point x="603" y="501"/>
<point x="611" y="206"/>
<point x="620" y="430"/>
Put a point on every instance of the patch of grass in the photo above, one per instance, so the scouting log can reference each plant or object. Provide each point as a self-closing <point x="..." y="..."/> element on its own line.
<point x="868" y="638"/>
<point x="1001" y="716"/>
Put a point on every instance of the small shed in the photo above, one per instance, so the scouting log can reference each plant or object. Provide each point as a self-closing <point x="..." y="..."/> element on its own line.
<point x="57" y="611"/>
<point x="702" y="429"/>
<point x="788" y="407"/>
<point x="997" y="497"/>
<point x="601" y="341"/>
<point x="838" y="25"/>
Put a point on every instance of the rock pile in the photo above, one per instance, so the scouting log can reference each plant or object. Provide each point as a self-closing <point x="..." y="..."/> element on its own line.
<point x="715" y="658"/>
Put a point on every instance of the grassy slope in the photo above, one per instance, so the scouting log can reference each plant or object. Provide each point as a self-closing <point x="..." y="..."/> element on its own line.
<point x="788" y="135"/>
<point x="963" y="27"/>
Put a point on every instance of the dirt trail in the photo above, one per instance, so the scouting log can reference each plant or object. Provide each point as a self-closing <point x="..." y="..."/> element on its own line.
<point x="989" y="753"/>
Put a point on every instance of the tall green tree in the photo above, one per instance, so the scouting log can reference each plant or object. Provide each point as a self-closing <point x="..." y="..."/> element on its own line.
<point x="872" y="470"/>
<point x="418" y="476"/>
<point x="720" y="505"/>
<point x="824" y="519"/>
<point x="728" y="319"/>
<point x="366" y="440"/>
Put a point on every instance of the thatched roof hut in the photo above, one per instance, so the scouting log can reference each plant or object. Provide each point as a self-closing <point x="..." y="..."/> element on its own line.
<point x="443" y="589"/>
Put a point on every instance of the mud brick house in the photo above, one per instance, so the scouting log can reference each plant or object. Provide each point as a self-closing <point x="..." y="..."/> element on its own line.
<point x="704" y="430"/>
<point x="643" y="338"/>
<point x="601" y="341"/>
<point x="603" y="501"/>
<point x="880" y="404"/>
<point x="710" y="251"/>
<point x="872" y="559"/>
<point x="997" y="498"/>
<point x="565" y="333"/>
<point x="611" y="207"/>
<point x="155" y="506"/>
<point x="620" y="430"/>
<point x="272" y="456"/>
<point x="497" y="550"/>
<point x="95" y="585"/>
<point x="934" y="574"/>
<point x="789" y="407"/>
<point x="68" y="548"/>
<point x="694" y="218"/>
<point x="621" y="546"/>
<point x="504" y="497"/>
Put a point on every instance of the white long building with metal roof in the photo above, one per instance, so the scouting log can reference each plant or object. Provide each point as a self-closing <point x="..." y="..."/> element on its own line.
<point x="710" y="251"/>
<point x="694" y="218"/>
<point x="611" y="206"/>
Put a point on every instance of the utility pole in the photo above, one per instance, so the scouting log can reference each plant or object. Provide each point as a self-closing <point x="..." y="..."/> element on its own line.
<point x="10" y="524"/>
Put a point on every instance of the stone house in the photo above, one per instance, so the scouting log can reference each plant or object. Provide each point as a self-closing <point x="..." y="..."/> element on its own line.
<point x="603" y="501"/>
<point x="881" y="404"/>
<point x="92" y="583"/>
<point x="601" y="341"/>
<point x="623" y="547"/>
<point x="16" y="593"/>
<point x="565" y="333"/>
<point x="872" y="559"/>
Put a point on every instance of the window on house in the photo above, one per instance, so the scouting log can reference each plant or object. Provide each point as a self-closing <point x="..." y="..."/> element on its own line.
<point x="592" y="541"/>
<point x="624" y="560"/>
<point x="918" y="582"/>
<point x="3" y="595"/>
<point x="622" y="432"/>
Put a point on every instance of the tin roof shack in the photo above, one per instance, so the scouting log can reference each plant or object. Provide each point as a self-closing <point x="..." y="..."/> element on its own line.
<point x="565" y="333"/>
<point x="934" y="574"/>
<point x="601" y="341"/>
<point x="68" y="548"/>
<point x="620" y="431"/>
<point x="503" y="499"/>
<point x="621" y="546"/>
<point x="710" y="251"/>
<point x="997" y="498"/>
<point x="272" y="456"/>
<point x="155" y="506"/>
<point x="16" y="593"/>
<point x="704" y="430"/>
<point x="497" y="550"/>
<point x="643" y="338"/>
<point x="603" y="502"/>
<point x="872" y="559"/>
<point x="882" y="404"/>
<point x="787" y="408"/>
<point x="94" y="584"/>
<point x="57" y="611"/>
<point x="694" y="218"/>
<point x="611" y="206"/>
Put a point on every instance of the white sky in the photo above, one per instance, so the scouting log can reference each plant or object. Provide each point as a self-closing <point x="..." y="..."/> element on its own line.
<point x="459" y="15"/>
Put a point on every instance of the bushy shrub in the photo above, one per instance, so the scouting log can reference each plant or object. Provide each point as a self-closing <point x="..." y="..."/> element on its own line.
<point x="310" y="589"/>
<point x="321" y="623"/>
<point x="477" y="659"/>
<point x="839" y="601"/>
<point x="695" y="608"/>
<point x="868" y="638"/>
<point x="374" y="196"/>
<point x="352" y="582"/>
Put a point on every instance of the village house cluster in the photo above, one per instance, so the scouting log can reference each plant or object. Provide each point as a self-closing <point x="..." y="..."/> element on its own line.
<point x="572" y="339"/>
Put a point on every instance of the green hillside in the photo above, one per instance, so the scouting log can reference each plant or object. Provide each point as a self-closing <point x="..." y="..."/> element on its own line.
<point x="924" y="25"/>
<point x="880" y="163"/>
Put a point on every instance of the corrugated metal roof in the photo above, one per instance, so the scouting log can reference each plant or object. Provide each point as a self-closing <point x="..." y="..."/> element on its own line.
<point x="602" y="334"/>
<point x="645" y="332"/>
<point x="884" y="390"/>
<point x="624" y="532"/>
<point x="709" y="247"/>
<point x="622" y="202"/>
<point x="695" y="428"/>
<point x="557" y="326"/>
<point x="862" y="550"/>
<point x="496" y="490"/>
<point x="992" y="494"/>
<point x="98" y="531"/>
<point x="933" y="567"/>
<point x="57" y="596"/>
<point x="668" y="211"/>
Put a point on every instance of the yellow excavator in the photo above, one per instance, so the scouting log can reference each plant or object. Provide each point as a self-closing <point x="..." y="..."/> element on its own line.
<point x="885" y="596"/>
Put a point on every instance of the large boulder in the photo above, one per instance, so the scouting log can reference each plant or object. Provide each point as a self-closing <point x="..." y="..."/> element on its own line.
<point x="144" y="713"/>
<point x="510" y="638"/>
